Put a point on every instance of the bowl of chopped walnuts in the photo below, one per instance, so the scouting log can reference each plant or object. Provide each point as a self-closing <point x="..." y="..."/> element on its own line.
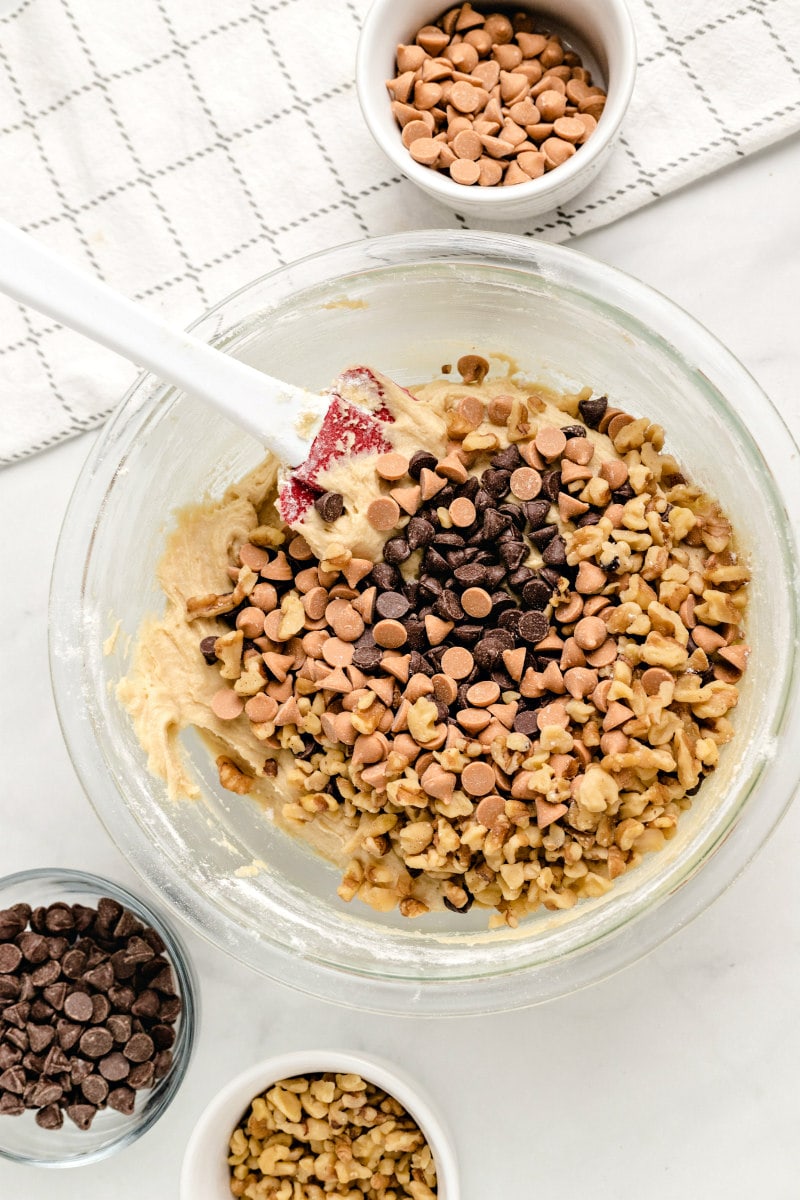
<point x="496" y="112"/>
<point x="317" y="1122"/>
<point x="487" y="711"/>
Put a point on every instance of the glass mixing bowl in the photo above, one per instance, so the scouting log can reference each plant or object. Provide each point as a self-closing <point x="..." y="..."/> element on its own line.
<point x="408" y="304"/>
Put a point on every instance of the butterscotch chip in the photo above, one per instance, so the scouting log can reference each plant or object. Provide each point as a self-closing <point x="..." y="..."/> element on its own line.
<point x="436" y="629"/>
<point x="653" y="678"/>
<point x="462" y="512"/>
<point x="253" y="556"/>
<point x="444" y="689"/>
<point x="551" y="105"/>
<point x="551" y="715"/>
<point x="477" y="779"/>
<point x="515" y="175"/>
<point x="550" y="442"/>
<point x="251" y="622"/>
<point x="389" y="634"/>
<point x="452" y="468"/>
<point x="413" y="131"/>
<point x="457" y="662"/>
<point x="464" y="171"/>
<point x="614" y="472"/>
<point x="227" y="704"/>
<point x="265" y="597"/>
<point x="484" y="693"/>
<point x="569" y="129"/>
<point x="392" y="466"/>
<point x="467" y="144"/>
<point x="466" y="98"/>
<point x="432" y="39"/>
<point x="556" y="152"/>
<point x="279" y="568"/>
<point x="532" y="162"/>
<point x="590" y="633"/>
<point x="489" y="810"/>
<point x="337" y="653"/>
<point x="383" y="514"/>
<point x="499" y="409"/>
<point x="604" y="656"/>
<point x="476" y="602"/>
<point x="315" y="602"/>
<point x="473" y="719"/>
<point x="430" y="484"/>
<point x="591" y="579"/>
<point x="408" y="498"/>
<point x="261" y="708"/>
<point x="526" y="483"/>
<point x="425" y="150"/>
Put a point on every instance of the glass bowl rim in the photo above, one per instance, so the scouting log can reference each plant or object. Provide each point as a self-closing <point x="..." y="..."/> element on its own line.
<point x="139" y="1124"/>
<point x="661" y="320"/>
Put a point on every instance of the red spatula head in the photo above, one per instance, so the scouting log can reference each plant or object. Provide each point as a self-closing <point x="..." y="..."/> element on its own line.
<point x="348" y="429"/>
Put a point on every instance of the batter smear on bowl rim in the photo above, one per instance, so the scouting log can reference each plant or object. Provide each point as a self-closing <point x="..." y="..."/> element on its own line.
<point x="481" y="648"/>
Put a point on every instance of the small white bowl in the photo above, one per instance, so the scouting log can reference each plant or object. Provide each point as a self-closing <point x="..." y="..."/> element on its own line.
<point x="205" y="1170"/>
<point x="602" y="27"/>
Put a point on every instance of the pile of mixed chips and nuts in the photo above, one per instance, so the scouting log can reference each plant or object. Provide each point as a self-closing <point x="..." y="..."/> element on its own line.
<point x="511" y="694"/>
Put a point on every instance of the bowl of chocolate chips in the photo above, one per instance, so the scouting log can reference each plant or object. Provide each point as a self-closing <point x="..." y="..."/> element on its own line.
<point x="489" y="702"/>
<point x="97" y="1017"/>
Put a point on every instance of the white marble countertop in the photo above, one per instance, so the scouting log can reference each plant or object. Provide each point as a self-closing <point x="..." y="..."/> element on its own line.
<point x="677" y="1078"/>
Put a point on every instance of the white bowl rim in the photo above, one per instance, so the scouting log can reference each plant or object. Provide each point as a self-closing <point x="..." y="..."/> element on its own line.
<point x="255" y="1080"/>
<point x="454" y="194"/>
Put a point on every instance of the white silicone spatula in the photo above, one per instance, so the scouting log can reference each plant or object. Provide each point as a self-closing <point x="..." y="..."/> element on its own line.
<point x="265" y="407"/>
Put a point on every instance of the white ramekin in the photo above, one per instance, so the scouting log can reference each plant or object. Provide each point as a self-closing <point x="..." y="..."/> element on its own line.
<point x="205" y="1172"/>
<point x="605" y="26"/>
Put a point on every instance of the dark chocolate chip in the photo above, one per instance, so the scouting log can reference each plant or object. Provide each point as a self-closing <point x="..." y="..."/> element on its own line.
<point x="59" y="919"/>
<point x="593" y="410"/>
<point x="533" y="627"/>
<point x="420" y="460"/>
<point x="11" y="924"/>
<point x="392" y="605"/>
<point x="141" y="1076"/>
<point x="95" y="1089"/>
<point x="555" y="553"/>
<point x="46" y="974"/>
<point x="536" y="594"/>
<point x="100" y="977"/>
<point x="140" y="1048"/>
<point x="123" y="1099"/>
<point x="330" y="506"/>
<point x="73" y="964"/>
<point x="114" y="1067"/>
<point x="508" y="459"/>
<point x="386" y="577"/>
<point x="78" y="1007"/>
<point x="13" y="1080"/>
<point x="162" y="1063"/>
<point x="526" y="722"/>
<point x="551" y="484"/>
<point x="33" y="947"/>
<point x="95" y="1043"/>
<point x="419" y="532"/>
<point x="81" y="1115"/>
<point x="50" y="1117"/>
<point x="536" y="512"/>
<point x="10" y="958"/>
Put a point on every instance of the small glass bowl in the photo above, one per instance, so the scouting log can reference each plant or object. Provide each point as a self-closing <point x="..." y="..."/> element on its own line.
<point x="21" y="1139"/>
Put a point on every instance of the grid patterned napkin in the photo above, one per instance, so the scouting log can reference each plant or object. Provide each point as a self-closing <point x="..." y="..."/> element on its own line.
<point x="179" y="148"/>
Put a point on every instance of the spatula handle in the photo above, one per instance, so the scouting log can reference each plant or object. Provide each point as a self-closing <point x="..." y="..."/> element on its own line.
<point x="268" y="409"/>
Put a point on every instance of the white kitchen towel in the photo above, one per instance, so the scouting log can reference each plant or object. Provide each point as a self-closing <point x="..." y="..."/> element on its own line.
<point x="179" y="148"/>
